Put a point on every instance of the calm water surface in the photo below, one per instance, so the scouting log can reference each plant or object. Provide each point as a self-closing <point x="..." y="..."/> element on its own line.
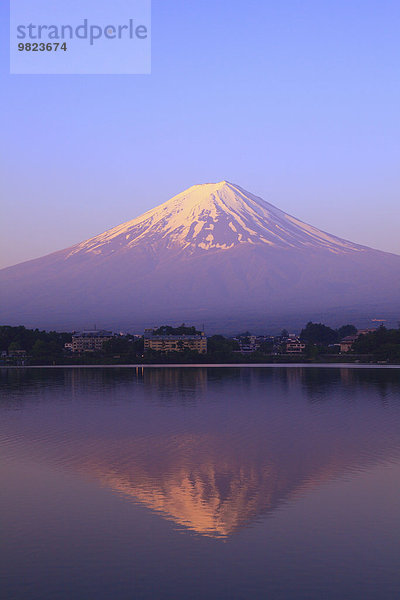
<point x="173" y="483"/>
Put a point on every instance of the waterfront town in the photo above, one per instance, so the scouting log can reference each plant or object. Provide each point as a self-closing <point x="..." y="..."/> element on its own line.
<point x="185" y="344"/>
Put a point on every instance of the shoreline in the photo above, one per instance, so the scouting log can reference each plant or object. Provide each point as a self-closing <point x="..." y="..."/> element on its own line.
<point x="214" y="366"/>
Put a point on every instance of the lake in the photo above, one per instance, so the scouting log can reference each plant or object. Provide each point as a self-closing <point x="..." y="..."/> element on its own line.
<point x="216" y="483"/>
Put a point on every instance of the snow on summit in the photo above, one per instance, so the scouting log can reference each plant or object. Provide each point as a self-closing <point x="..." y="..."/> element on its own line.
<point x="213" y="216"/>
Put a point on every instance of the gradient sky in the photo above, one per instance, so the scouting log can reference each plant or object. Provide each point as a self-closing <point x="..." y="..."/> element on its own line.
<point x="296" y="101"/>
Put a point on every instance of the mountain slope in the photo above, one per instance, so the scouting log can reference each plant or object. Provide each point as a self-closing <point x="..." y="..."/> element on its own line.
<point x="214" y="254"/>
<point x="213" y="216"/>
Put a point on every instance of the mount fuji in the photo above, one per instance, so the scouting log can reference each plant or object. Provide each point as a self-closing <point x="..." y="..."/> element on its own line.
<point x="214" y="254"/>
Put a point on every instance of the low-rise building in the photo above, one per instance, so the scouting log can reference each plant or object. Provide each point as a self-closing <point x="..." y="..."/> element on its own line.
<point x="294" y="345"/>
<point x="20" y="354"/>
<point x="366" y="331"/>
<point x="247" y="344"/>
<point x="346" y="343"/>
<point x="89" y="341"/>
<point x="175" y="343"/>
<point x="15" y="357"/>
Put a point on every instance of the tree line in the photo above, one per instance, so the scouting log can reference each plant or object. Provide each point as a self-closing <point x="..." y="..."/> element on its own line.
<point x="44" y="347"/>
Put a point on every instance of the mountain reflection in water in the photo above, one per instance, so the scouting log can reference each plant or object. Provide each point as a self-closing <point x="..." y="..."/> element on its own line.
<point x="211" y="450"/>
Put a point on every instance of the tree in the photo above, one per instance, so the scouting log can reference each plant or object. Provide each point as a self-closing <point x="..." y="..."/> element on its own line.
<point x="25" y="339"/>
<point x="14" y="346"/>
<point x="41" y="350"/>
<point x="317" y="333"/>
<point x="181" y="330"/>
<point x="117" y="345"/>
<point x="346" y="330"/>
<point x="218" y="344"/>
<point x="383" y="344"/>
<point x="267" y="346"/>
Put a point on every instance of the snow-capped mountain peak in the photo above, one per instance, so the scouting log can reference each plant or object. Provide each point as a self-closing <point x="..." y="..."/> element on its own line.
<point x="214" y="216"/>
<point x="214" y="253"/>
